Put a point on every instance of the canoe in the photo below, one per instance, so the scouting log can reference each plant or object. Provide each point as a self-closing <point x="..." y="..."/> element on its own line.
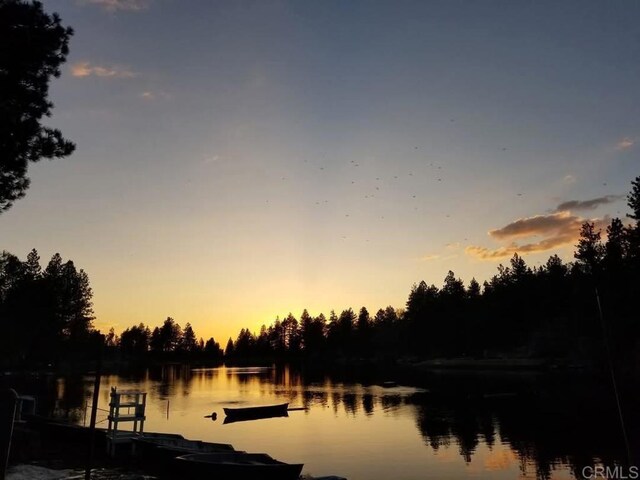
<point x="236" y="465"/>
<point x="249" y="417"/>
<point x="264" y="411"/>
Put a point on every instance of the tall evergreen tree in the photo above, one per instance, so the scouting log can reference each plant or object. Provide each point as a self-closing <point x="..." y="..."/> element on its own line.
<point x="230" y="349"/>
<point x="188" y="341"/>
<point x="473" y="292"/>
<point x="306" y="329"/>
<point x="633" y="232"/>
<point x="589" y="251"/>
<point x="617" y="247"/>
<point x="34" y="45"/>
<point x="633" y="199"/>
<point x="212" y="349"/>
<point x="40" y="311"/>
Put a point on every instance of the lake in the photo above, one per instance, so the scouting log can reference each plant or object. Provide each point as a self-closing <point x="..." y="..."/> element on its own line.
<point x="445" y="426"/>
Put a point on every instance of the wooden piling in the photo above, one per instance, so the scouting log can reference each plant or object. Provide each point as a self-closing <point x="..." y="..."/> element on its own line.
<point x="8" y="401"/>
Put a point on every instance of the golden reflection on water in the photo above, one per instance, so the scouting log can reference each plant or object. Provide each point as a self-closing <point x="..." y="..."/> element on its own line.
<point x="361" y="432"/>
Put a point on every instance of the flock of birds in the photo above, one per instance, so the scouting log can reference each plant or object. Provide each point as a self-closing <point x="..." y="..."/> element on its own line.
<point x="389" y="188"/>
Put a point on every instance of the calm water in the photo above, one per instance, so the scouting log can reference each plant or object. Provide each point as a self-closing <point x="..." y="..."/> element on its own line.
<point x="430" y="426"/>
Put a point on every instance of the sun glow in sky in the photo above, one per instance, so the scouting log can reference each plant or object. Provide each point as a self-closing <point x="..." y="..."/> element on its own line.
<point x="241" y="160"/>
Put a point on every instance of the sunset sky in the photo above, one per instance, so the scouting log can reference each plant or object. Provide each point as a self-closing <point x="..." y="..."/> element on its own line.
<point x="239" y="160"/>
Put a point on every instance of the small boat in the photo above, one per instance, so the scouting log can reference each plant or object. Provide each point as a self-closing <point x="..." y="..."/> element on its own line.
<point x="256" y="466"/>
<point x="249" y="417"/>
<point x="197" y="446"/>
<point x="253" y="413"/>
<point x="160" y="451"/>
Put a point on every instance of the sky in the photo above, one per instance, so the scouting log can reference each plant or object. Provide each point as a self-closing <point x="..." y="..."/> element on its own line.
<point x="240" y="160"/>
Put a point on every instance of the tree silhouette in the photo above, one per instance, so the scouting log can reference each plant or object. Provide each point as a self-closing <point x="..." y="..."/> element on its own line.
<point x="473" y="292"/>
<point x="453" y="288"/>
<point x="111" y="339"/>
<point x="229" y="350"/>
<point x="306" y="329"/>
<point x="363" y="332"/>
<point x="136" y="340"/>
<point x="633" y="199"/>
<point x="617" y="246"/>
<point x="244" y="344"/>
<point x="212" y="349"/>
<point x="633" y="232"/>
<point x="547" y="312"/>
<point x="188" y="341"/>
<point x="290" y="334"/>
<point x="34" y="45"/>
<point x="75" y="306"/>
<point x="316" y="337"/>
<point x="589" y="251"/>
<point x="45" y="312"/>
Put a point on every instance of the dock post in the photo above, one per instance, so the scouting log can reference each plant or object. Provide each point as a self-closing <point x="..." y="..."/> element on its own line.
<point x="94" y="414"/>
<point x="8" y="401"/>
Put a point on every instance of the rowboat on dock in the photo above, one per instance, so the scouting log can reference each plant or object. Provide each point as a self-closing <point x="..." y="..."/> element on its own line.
<point x="256" y="466"/>
<point x="145" y="442"/>
<point x="160" y="451"/>
<point x="254" y="413"/>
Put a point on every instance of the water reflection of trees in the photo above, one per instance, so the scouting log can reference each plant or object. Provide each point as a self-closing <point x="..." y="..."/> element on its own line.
<point x="367" y="403"/>
<point x="545" y="424"/>
<point x="544" y="431"/>
<point x="55" y="397"/>
<point x="170" y="380"/>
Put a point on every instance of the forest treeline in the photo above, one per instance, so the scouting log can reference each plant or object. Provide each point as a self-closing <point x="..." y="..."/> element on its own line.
<point x="560" y="311"/>
<point x="46" y="318"/>
<point x="552" y="312"/>
<point x="45" y="314"/>
<point x="168" y="341"/>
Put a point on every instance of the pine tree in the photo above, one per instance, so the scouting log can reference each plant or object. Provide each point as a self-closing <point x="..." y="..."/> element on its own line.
<point x="33" y="47"/>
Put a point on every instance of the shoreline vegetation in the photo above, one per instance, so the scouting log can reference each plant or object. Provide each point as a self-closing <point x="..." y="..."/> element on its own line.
<point x="559" y="315"/>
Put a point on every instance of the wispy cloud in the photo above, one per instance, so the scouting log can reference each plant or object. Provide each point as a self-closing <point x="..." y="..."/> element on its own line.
<point x="560" y="240"/>
<point x="86" y="69"/>
<point x="587" y="204"/>
<point x="155" y="95"/>
<point x="115" y="5"/>
<point x="625" y="144"/>
<point x="435" y="256"/>
<point x="536" y="225"/>
<point x="557" y="229"/>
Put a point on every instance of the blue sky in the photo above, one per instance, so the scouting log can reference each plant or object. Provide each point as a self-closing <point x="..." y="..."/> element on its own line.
<point x="239" y="160"/>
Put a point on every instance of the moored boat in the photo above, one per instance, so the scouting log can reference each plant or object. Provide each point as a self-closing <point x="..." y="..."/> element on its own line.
<point x="262" y="411"/>
<point x="233" y="419"/>
<point x="232" y="465"/>
<point x="160" y="451"/>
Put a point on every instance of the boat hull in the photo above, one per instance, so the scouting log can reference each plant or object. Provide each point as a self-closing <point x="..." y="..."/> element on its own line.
<point x="158" y="453"/>
<point x="236" y="465"/>
<point x="251" y="413"/>
<point x="245" y="418"/>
